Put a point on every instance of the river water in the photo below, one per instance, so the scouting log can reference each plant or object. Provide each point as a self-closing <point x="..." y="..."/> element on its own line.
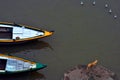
<point x="82" y="34"/>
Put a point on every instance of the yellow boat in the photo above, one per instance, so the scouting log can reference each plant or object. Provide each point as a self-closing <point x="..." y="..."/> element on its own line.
<point x="11" y="65"/>
<point x="16" y="33"/>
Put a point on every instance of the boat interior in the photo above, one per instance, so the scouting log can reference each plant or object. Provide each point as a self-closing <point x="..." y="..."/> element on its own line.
<point x="5" y="33"/>
<point x="13" y="65"/>
<point x="17" y="65"/>
<point x="15" y="32"/>
<point x="3" y="64"/>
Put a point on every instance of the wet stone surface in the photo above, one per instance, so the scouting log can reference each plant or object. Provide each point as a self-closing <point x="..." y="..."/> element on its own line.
<point x="98" y="72"/>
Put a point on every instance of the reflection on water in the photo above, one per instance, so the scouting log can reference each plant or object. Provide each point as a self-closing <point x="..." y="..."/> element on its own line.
<point x="23" y="47"/>
<point x="25" y="76"/>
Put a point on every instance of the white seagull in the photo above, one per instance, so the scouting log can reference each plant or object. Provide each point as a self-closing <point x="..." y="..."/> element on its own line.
<point x="106" y="5"/>
<point x="94" y="3"/>
<point x="81" y="3"/>
<point x="115" y="16"/>
<point x="110" y="11"/>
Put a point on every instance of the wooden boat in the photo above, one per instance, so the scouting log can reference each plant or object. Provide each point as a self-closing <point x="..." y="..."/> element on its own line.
<point x="11" y="65"/>
<point x="15" y="33"/>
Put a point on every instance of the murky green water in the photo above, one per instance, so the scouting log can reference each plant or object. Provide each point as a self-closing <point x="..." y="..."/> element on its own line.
<point x="82" y="34"/>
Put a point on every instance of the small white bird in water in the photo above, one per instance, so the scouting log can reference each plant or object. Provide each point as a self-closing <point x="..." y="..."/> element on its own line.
<point x="115" y="16"/>
<point x="110" y="11"/>
<point x="93" y="3"/>
<point x="106" y="5"/>
<point x="81" y="3"/>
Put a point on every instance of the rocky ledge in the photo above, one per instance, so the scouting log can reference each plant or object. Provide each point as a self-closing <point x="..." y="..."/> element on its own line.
<point x="97" y="72"/>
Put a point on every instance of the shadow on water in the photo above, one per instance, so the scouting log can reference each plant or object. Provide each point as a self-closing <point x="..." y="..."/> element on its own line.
<point x="34" y="45"/>
<point x="23" y="76"/>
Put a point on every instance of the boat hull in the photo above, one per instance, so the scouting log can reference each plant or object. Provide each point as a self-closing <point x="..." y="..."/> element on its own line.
<point x="13" y="65"/>
<point x="18" y="34"/>
<point x="19" y="72"/>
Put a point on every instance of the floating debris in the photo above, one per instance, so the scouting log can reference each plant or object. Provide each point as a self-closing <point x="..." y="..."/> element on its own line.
<point x="106" y="5"/>
<point x="110" y="11"/>
<point x="89" y="72"/>
<point x="93" y="3"/>
<point x="81" y="3"/>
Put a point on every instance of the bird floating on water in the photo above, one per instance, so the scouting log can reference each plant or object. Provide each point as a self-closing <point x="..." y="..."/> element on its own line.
<point x="93" y="3"/>
<point x="81" y="3"/>
<point x="115" y="16"/>
<point x="106" y="5"/>
<point x="110" y="11"/>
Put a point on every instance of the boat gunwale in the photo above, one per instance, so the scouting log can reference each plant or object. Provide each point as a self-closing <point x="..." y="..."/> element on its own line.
<point x="17" y="58"/>
<point x="21" y="25"/>
<point x="24" y="39"/>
